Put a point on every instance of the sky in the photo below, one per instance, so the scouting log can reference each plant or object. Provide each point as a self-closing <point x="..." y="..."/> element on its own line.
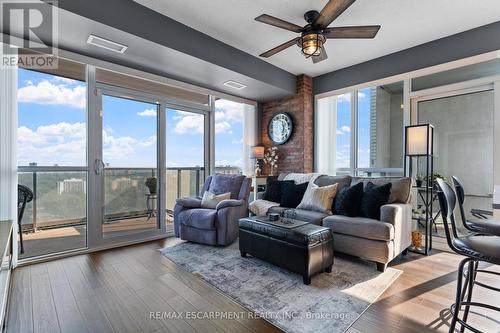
<point x="344" y="129"/>
<point x="52" y="128"/>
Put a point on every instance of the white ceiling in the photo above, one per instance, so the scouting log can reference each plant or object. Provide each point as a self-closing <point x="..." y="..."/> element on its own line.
<point x="405" y="23"/>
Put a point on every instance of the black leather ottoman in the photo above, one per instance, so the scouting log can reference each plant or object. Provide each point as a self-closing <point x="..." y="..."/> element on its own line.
<point x="306" y="249"/>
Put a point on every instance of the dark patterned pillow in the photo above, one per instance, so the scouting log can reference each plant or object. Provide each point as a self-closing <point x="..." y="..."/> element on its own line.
<point x="292" y="194"/>
<point x="348" y="200"/>
<point x="273" y="189"/>
<point x="373" y="198"/>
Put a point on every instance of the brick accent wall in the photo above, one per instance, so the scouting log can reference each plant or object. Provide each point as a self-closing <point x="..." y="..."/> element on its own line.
<point x="296" y="155"/>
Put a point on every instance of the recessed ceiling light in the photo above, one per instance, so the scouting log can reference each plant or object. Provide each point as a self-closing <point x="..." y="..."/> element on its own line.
<point x="234" y="85"/>
<point x="106" y="44"/>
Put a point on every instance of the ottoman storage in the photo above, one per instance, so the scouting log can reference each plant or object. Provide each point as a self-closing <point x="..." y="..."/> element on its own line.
<point x="306" y="249"/>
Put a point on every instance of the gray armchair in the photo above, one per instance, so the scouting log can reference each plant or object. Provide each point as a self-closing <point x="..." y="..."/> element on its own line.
<point x="217" y="226"/>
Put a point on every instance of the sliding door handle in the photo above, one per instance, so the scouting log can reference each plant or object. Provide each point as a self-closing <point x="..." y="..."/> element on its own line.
<point x="98" y="166"/>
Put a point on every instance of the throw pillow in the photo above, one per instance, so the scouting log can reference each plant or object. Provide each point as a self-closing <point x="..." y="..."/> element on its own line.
<point x="317" y="198"/>
<point x="373" y="198"/>
<point x="292" y="194"/>
<point x="273" y="189"/>
<point x="348" y="200"/>
<point x="210" y="200"/>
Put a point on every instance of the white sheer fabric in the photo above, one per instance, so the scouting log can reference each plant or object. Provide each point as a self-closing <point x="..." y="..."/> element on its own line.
<point x="8" y="143"/>
<point x="325" y="136"/>
<point x="249" y="138"/>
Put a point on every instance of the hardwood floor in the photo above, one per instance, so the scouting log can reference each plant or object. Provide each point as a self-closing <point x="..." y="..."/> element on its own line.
<point x="46" y="241"/>
<point x="118" y="290"/>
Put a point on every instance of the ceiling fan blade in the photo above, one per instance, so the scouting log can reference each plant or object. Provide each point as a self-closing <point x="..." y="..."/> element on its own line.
<point x="322" y="56"/>
<point x="268" y="19"/>
<point x="280" y="48"/>
<point x="365" y="31"/>
<point x="331" y="11"/>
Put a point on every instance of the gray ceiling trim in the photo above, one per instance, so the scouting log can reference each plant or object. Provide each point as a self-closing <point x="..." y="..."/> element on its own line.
<point x="131" y="17"/>
<point x="462" y="45"/>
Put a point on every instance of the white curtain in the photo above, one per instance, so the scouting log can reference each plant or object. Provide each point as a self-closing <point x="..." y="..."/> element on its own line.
<point x="325" y="135"/>
<point x="8" y="143"/>
<point x="249" y="138"/>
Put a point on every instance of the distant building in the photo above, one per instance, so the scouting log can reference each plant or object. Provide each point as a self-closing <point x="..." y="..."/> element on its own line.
<point x="73" y="185"/>
<point x="228" y="169"/>
<point x="123" y="184"/>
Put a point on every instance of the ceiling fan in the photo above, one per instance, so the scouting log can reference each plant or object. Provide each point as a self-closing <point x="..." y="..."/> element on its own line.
<point x="315" y="33"/>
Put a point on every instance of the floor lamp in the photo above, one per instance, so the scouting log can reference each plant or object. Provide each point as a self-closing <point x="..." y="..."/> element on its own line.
<point x="419" y="142"/>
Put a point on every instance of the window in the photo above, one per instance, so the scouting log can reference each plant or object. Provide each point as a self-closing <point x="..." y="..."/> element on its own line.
<point x="235" y="133"/>
<point x="333" y="147"/>
<point x="380" y="127"/>
<point x="52" y="120"/>
<point x="52" y="158"/>
<point x="373" y="145"/>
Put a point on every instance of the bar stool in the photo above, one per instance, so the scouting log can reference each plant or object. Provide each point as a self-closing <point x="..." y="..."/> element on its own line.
<point x="487" y="226"/>
<point x="476" y="248"/>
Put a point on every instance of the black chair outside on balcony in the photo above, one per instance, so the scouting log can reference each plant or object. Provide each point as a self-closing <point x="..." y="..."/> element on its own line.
<point x="24" y="196"/>
<point x="481" y="225"/>
<point x="476" y="248"/>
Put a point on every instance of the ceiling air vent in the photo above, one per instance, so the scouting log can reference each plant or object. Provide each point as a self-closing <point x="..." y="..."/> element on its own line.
<point x="106" y="44"/>
<point x="234" y="85"/>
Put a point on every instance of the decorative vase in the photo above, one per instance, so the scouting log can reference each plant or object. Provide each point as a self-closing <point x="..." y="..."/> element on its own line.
<point x="271" y="170"/>
<point x="416" y="239"/>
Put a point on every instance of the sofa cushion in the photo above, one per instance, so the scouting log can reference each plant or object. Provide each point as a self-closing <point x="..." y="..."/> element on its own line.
<point x="348" y="200"/>
<point x="199" y="218"/>
<point x="325" y="180"/>
<point x="374" y="197"/>
<point x="318" y="199"/>
<point x="221" y="183"/>
<point x="310" y="216"/>
<point x="400" y="190"/>
<point x="361" y="227"/>
<point x="292" y="194"/>
<point x="303" y="215"/>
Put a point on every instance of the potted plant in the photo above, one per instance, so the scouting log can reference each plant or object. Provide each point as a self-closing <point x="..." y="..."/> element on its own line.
<point x="419" y="180"/>
<point x="271" y="158"/>
<point x="432" y="178"/>
<point x="151" y="184"/>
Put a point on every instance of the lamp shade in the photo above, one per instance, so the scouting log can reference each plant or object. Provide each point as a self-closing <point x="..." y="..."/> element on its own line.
<point x="419" y="140"/>
<point x="258" y="152"/>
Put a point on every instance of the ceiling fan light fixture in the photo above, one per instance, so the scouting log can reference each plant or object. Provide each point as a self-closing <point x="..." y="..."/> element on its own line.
<point x="312" y="44"/>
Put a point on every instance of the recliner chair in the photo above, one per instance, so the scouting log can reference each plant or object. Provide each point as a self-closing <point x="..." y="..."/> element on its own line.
<point x="217" y="226"/>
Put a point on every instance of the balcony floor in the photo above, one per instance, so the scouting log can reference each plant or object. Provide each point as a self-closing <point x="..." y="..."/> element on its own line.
<point x="67" y="238"/>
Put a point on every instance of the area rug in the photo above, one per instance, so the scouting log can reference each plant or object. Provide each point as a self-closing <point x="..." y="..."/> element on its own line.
<point x="331" y="303"/>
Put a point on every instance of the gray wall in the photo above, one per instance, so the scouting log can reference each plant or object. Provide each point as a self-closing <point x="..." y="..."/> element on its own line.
<point x="464" y="141"/>
<point x="465" y="44"/>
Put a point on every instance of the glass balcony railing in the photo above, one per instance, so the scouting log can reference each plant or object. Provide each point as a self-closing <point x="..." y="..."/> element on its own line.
<point x="60" y="193"/>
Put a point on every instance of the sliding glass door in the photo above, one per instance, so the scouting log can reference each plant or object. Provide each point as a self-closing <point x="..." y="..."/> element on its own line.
<point x="186" y="142"/>
<point x="129" y="165"/>
<point x="463" y="136"/>
<point x="125" y="185"/>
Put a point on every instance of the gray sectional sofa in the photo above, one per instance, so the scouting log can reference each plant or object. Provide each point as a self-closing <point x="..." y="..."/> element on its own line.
<point x="378" y="241"/>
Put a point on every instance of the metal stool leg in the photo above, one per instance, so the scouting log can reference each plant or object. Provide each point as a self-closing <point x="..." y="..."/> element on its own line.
<point x="455" y="308"/>
<point x="471" y="277"/>
<point x="20" y="236"/>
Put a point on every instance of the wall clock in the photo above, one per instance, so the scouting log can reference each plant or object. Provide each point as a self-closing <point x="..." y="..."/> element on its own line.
<point x="280" y="128"/>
